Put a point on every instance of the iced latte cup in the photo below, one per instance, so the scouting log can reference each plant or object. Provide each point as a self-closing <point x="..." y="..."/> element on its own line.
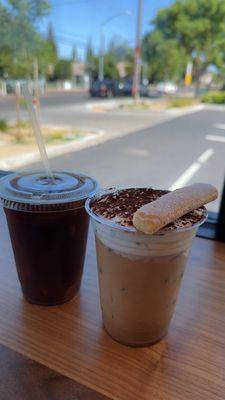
<point x="139" y="274"/>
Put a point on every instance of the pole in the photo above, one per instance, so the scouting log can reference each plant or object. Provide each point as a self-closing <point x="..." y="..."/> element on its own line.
<point x="137" y="54"/>
<point x="101" y="55"/>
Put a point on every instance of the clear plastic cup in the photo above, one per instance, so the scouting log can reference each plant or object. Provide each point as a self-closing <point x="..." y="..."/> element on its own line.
<point x="139" y="278"/>
<point x="48" y="227"/>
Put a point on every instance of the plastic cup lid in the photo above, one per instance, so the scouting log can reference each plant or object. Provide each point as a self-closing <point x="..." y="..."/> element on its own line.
<point x="35" y="188"/>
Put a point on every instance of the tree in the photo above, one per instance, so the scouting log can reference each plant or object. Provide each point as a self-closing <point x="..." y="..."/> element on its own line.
<point x="30" y="10"/>
<point x="74" y="54"/>
<point x="6" y="61"/>
<point x="19" y="35"/>
<point x="110" y="69"/>
<point x="52" y="44"/>
<point x="89" y="51"/>
<point x="120" y="49"/>
<point x="63" y="69"/>
<point x="166" y="60"/>
<point x="196" y="29"/>
<point x="91" y="60"/>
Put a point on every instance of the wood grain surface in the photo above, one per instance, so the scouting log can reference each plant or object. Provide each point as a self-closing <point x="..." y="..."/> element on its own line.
<point x="189" y="364"/>
<point x="25" y="379"/>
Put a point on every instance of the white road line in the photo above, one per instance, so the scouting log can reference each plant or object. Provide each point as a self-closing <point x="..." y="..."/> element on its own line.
<point x="205" y="156"/>
<point x="186" y="176"/>
<point x="215" y="138"/>
<point x="219" y="126"/>
<point x="190" y="171"/>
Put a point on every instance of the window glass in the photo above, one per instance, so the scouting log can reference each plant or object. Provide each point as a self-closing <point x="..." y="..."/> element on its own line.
<point x="131" y="92"/>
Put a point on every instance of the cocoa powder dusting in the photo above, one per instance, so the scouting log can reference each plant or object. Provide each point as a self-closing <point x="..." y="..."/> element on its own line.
<point x="120" y="206"/>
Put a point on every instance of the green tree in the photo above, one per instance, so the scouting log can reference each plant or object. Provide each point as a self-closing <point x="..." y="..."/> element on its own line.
<point x="31" y="10"/>
<point x="197" y="31"/>
<point x="52" y="47"/>
<point x="6" y="61"/>
<point x="166" y="60"/>
<point x="110" y="69"/>
<point x="63" y="69"/>
<point x="120" y="50"/>
<point x="89" y="51"/>
<point x="91" y="60"/>
<point x="74" y="54"/>
<point x="19" y="35"/>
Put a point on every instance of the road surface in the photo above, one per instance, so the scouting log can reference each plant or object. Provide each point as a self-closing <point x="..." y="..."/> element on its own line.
<point x="49" y="100"/>
<point x="177" y="152"/>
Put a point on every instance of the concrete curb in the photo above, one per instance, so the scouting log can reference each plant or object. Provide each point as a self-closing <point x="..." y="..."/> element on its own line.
<point x="214" y="107"/>
<point x="111" y="105"/>
<point x="20" y="160"/>
<point x="186" y="110"/>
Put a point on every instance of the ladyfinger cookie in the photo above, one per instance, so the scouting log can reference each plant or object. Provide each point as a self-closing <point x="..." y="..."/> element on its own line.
<point x="153" y="216"/>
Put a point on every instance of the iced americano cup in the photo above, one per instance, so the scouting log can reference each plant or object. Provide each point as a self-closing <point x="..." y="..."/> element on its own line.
<point x="48" y="227"/>
<point x="139" y="274"/>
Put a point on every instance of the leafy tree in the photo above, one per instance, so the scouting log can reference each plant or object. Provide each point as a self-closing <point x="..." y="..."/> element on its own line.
<point x="89" y="51"/>
<point x="91" y="60"/>
<point x="119" y="49"/>
<point x="167" y="61"/>
<point x="52" y="47"/>
<point x="74" y="54"/>
<point x="31" y="10"/>
<point x="110" y="69"/>
<point x="63" y="69"/>
<point x="18" y="34"/>
<point x="195" y="29"/>
<point x="6" y="61"/>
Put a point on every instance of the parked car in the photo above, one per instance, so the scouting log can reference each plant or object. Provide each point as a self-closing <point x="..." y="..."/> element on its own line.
<point x="120" y="87"/>
<point x="103" y="88"/>
<point x="126" y="88"/>
<point x="166" y="87"/>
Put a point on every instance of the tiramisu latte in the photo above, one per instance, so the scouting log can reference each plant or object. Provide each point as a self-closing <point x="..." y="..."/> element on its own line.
<point x="139" y="274"/>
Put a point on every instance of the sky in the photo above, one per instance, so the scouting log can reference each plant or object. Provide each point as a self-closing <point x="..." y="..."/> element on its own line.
<point x="76" y="21"/>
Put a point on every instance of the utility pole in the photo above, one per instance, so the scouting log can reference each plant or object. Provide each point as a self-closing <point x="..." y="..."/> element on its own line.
<point x="101" y="55"/>
<point x="137" y="54"/>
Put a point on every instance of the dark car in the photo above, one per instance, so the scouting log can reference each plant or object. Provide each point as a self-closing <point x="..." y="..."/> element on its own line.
<point x="110" y="88"/>
<point x="125" y="88"/>
<point x="104" y="88"/>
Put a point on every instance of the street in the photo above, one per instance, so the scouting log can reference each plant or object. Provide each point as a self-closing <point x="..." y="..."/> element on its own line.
<point x="70" y="109"/>
<point x="170" y="154"/>
<point x="49" y="100"/>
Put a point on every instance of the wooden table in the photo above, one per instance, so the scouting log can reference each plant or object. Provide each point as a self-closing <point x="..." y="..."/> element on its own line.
<point x="63" y="353"/>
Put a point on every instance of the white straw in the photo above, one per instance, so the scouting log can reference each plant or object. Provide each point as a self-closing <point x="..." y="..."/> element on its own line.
<point x="37" y="130"/>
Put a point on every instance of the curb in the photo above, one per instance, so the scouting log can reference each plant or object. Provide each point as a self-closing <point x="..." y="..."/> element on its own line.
<point x="186" y="110"/>
<point x="111" y="105"/>
<point x="21" y="160"/>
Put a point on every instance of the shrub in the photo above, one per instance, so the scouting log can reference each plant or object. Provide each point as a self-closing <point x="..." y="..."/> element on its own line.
<point x="182" y="102"/>
<point x="214" y="97"/>
<point x="3" y="125"/>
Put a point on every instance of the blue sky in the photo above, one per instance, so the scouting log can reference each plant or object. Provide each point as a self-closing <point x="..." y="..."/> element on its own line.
<point x="75" y="23"/>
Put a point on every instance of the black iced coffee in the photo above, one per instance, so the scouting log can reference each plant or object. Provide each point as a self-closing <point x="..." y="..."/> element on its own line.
<point x="48" y="227"/>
